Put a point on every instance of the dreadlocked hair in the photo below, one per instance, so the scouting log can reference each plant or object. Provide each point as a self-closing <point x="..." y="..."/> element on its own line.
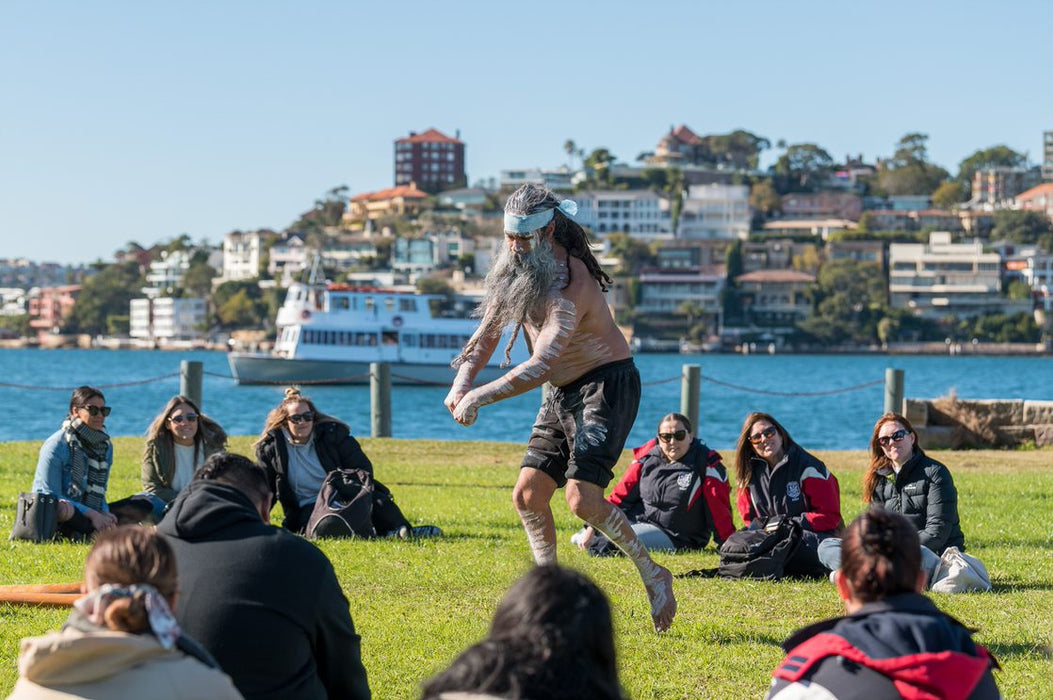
<point x="531" y="199"/>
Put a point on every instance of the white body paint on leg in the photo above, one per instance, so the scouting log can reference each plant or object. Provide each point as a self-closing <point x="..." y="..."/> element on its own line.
<point x="543" y="547"/>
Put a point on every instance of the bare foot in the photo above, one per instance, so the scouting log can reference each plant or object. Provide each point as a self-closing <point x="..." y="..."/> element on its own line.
<point x="663" y="603"/>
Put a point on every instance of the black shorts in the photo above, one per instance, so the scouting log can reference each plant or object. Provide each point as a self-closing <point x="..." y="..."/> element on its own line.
<point x="581" y="428"/>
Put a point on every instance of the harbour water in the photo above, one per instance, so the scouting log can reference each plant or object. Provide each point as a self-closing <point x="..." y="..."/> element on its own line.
<point x="35" y="386"/>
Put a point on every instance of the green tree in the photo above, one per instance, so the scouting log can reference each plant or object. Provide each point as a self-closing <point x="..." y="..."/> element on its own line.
<point x="730" y="299"/>
<point x="1023" y="226"/>
<point x="197" y="280"/>
<point x="105" y="294"/>
<point x="740" y="149"/>
<point x="988" y="157"/>
<point x="598" y="167"/>
<point x="633" y="253"/>
<point x="1018" y="289"/>
<point x="238" y="311"/>
<point x="909" y="171"/>
<point x="849" y="299"/>
<point x="801" y="168"/>
<point x="764" y="199"/>
<point x="327" y="211"/>
<point x="948" y="194"/>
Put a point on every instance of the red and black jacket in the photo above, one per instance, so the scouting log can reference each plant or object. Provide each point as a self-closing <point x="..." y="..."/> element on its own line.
<point x="690" y="499"/>
<point x="902" y="646"/>
<point x="800" y="487"/>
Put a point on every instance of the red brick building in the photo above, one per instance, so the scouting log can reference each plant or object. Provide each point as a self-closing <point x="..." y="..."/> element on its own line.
<point x="431" y="159"/>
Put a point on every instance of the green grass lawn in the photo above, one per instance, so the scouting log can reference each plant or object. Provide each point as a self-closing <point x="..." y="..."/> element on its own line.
<point x="418" y="604"/>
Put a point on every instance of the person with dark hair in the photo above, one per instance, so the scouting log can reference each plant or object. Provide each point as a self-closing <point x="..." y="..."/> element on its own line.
<point x="777" y="478"/>
<point x="894" y="642"/>
<point x="74" y="465"/>
<point x="675" y="493"/>
<point x="902" y="478"/>
<point x="265" y="602"/>
<point x="121" y="640"/>
<point x="551" y="637"/>
<point x="547" y="282"/>
<point x="300" y="445"/>
<point x="178" y="441"/>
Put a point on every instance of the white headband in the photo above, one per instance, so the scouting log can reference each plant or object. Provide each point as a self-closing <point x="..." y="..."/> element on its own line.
<point x="516" y="223"/>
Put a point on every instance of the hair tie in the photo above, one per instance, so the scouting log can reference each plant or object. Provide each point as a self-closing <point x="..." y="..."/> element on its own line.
<point x="162" y="623"/>
<point x="568" y="207"/>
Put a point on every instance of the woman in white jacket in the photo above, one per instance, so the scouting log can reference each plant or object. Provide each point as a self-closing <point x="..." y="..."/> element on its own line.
<point x="121" y="640"/>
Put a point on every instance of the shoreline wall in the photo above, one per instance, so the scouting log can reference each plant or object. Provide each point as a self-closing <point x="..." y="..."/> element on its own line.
<point x="950" y="422"/>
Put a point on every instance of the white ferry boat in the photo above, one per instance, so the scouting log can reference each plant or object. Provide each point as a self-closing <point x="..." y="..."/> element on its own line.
<point x="330" y="333"/>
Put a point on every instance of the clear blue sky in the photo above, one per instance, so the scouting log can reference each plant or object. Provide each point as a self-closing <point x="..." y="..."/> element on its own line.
<point x="139" y="121"/>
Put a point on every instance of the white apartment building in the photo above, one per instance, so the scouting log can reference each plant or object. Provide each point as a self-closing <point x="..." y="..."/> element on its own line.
<point x="289" y="257"/>
<point x="558" y="179"/>
<point x="715" y="211"/>
<point x="241" y="255"/>
<point x="942" y="278"/>
<point x="167" y="272"/>
<point x="167" y="318"/>
<point x="640" y="213"/>
<point x="13" y="301"/>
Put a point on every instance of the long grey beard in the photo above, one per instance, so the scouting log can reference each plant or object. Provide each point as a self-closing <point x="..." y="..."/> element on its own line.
<point x="518" y="285"/>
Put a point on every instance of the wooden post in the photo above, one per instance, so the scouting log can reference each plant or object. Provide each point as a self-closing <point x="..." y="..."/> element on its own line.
<point x="690" y="381"/>
<point x="190" y="376"/>
<point x="380" y="398"/>
<point x="894" y="390"/>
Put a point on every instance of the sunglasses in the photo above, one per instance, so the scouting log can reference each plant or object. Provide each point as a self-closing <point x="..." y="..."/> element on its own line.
<point x="894" y="437"/>
<point x="188" y="418"/>
<point x="95" y="410"/>
<point x="305" y="417"/>
<point x="669" y="437"/>
<point x="768" y="432"/>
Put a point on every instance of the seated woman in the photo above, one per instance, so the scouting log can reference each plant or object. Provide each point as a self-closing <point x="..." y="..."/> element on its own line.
<point x="778" y="478"/>
<point x="178" y="441"/>
<point x="300" y="445"/>
<point x="121" y="640"/>
<point x="551" y="637"/>
<point x="902" y="478"/>
<point x="675" y="493"/>
<point x="74" y="465"/>
<point x="894" y="642"/>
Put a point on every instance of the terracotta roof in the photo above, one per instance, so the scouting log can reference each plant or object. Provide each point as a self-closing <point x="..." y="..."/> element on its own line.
<point x="1043" y="189"/>
<point x="685" y="135"/>
<point x="429" y="136"/>
<point x="775" y="276"/>
<point x="390" y="193"/>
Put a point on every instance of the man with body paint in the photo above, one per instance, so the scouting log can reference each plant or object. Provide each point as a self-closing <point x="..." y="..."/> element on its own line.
<point x="547" y="282"/>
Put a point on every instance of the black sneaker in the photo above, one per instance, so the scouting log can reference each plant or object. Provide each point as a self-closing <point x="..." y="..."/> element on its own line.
<point x="426" y="531"/>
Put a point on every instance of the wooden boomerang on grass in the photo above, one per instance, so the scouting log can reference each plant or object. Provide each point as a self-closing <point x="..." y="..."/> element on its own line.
<point x="47" y="595"/>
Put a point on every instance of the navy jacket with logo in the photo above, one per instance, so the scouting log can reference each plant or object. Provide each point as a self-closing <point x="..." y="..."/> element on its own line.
<point x="902" y="646"/>
<point x="800" y="486"/>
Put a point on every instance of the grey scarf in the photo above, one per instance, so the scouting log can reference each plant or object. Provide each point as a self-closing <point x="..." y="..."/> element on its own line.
<point x="88" y="448"/>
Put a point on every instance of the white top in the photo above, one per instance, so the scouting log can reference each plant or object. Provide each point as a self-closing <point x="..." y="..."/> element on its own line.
<point x="185" y="465"/>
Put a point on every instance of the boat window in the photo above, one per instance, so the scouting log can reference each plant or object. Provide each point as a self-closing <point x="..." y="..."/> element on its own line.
<point x="369" y="303"/>
<point x="341" y="303"/>
<point x="389" y="304"/>
<point x="407" y="304"/>
<point x="409" y="340"/>
<point x="389" y="338"/>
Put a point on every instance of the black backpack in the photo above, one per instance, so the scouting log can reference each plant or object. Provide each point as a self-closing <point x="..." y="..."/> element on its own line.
<point x="344" y="507"/>
<point x="762" y="553"/>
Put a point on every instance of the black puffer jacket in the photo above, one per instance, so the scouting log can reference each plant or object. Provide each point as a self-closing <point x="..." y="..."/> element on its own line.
<point x="924" y="493"/>
<point x="336" y="448"/>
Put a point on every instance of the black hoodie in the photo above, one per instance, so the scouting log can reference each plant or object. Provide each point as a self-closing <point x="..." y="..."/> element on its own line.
<point x="265" y="603"/>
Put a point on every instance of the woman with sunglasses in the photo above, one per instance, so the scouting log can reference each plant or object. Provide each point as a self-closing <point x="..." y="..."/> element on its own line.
<point x="675" y="493"/>
<point x="178" y="441"/>
<point x="74" y="465"/>
<point x="902" y="478"/>
<point x="300" y="445"/>
<point x="777" y="478"/>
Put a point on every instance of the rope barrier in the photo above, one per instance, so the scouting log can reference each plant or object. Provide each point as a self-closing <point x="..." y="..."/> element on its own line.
<point x="751" y="390"/>
<point x="118" y="385"/>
